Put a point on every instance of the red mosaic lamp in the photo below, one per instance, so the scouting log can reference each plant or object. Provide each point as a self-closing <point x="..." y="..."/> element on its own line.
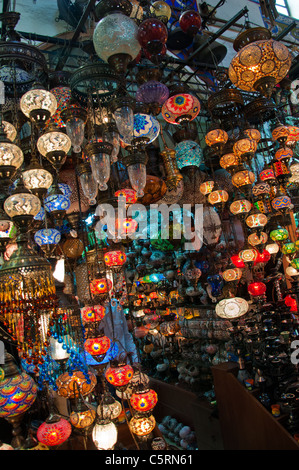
<point x="54" y="431"/>
<point x="144" y="400"/>
<point x="97" y="347"/>
<point x="119" y="375"/>
<point x="115" y="259"/>
<point x="257" y="289"/>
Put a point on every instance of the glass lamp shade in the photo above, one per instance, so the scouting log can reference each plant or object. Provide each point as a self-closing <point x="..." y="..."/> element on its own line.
<point x="101" y="169"/>
<point x="188" y="153"/>
<point x="119" y="376"/>
<point x="142" y="425"/>
<point x="63" y="97"/>
<point x="255" y="239"/>
<point x="124" y="120"/>
<point x="152" y="35"/>
<point x="10" y="156"/>
<point x="279" y="234"/>
<point x="112" y="137"/>
<point x="259" y="66"/>
<point x="233" y="274"/>
<point x="216" y="138"/>
<point x="295" y="263"/>
<point x="294" y="178"/>
<point x="281" y="202"/>
<point x="115" y="259"/>
<point x="53" y="141"/>
<point x="281" y="170"/>
<point x="240" y="206"/>
<point x="293" y="136"/>
<point x="260" y="189"/>
<point x="125" y="227"/>
<point x="290" y="271"/>
<point x="54" y="434"/>
<point x="267" y="175"/>
<point x="229" y="161"/>
<point x="180" y="108"/>
<point x="97" y="346"/>
<point x="37" y="179"/>
<point x="47" y="236"/>
<point x="100" y="286"/>
<point x="218" y="197"/>
<point x="110" y="409"/>
<point x="89" y="187"/>
<point x="232" y="308"/>
<point x="21" y="204"/>
<point x="38" y="104"/>
<point x="272" y="248"/>
<point x="75" y="130"/>
<point x="256" y="220"/>
<point x="256" y="289"/>
<point x="129" y="194"/>
<point x="288" y="248"/>
<point x="116" y="34"/>
<point x="245" y="148"/>
<point x="82" y="419"/>
<point x="144" y="401"/>
<point x="190" y="22"/>
<point x="248" y="255"/>
<point x="243" y="178"/>
<point x="9" y="130"/>
<point x="253" y="134"/>
<point x="94" y="313"/>
<point x="104" y="435"/>
<point x="237" y="261"/>
<point x="152" y="92"/>
<point x="71" y="385"/>
<point x="284" y="154"/>
<point x="161" y="10"/>
<point x="146" y="129"/>
<point x="17" y="394"/>
<point x="206" y="187"/>
<point x="137" y="176"/>
<point x="56" y="203"/>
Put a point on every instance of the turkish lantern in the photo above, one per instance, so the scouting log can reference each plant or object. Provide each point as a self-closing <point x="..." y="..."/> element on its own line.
<point x="54" y="433"/>
<point x="97" y="347"/>
<point x="115" y="259"/>
<point x="119" y="376"/>
<point x="256" y="289"/>
<point x="100" y="287"/>
<point x="144" y="401"/>
<point x="92" y="313"/>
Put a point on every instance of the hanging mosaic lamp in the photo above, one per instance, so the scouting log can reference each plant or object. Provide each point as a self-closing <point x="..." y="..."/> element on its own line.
<point x="256" y="220"/>
<point x="279" y="234"/>
<point x="153" y="93"/>
<point x="257" y="289"/>
<point x="9" y="130"/>
<point x="243" y="179"/>
<point x="94" y="313"/>
<point x="256" y="239"/>
<point x="104" y="435"/>
<point x="180" y="108"/>
<point x="100" y="287"/>
<point x="248" y="255"/>
<point x="260" y="62"/>
<point x="115" y="259"/>
<point x="119" y="375"/>
<point x="54" y="432"/>
<point x="216" y="138"/>
<point x="240" y="206"/>
<point x="284" y="154"/>
<point x="220" y="196"/>
<point x="142" y="426"/>
<point x="47" y="239"/>
<point x="281" y="202"/>
<point x="130" y="195"/>
<point x="54" y="146"/>
<point x="97" y="347"/>
<point x="56" y="202"/>
<point x="245" y="148"/>
<point x="36" y="178"/>
<point x="232" y="274"/>
<point x="11" y="158"/>
<point x="161" y="10"/>
<point x="229" y="161"/>
<point x="144" y="400"/>
<point x="38" y="105"/>
<point x="188" y="153"/>
<point x="206" y="187"/>
<point x="71" y="385"/>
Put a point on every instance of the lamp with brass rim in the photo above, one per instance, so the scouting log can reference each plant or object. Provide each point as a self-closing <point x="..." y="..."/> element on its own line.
<point x="54" y="146"/>
<point x="38" y="105"/>
<point x="88" y="182"/>
<point x="98" y="154"/>
<point x="11" y="157"/>
<point x="135" y="162"/>
<point x="75" y="117"/>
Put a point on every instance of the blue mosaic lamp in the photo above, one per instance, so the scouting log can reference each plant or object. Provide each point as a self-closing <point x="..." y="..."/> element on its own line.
<point x="47" y="239"/>
<point x="56" y="203"/>
<point x="146" y="130"/>
<point x="188" y="153"/>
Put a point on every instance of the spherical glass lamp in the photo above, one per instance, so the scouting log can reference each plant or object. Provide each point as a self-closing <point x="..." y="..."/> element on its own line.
<point x="161" y="10"/>
<point x="280" y="134"/>
<point x="11" y="157"/>
<point x="232" y="274"/>
<point x="256" y="220"/>
<point x="267" y="175"/>
<point x="129" y="195"/>
<point x="37" y="179"/>
<point x="243" y="179"/>
<point x="261" y="189"/>
<point x="82" y="419"/>
<point x="97" y="347"/>
<point x="279" y="234"/>
<point x="146" y="129"/>
<point x="56" y="202"/>
<point x="54" y="433"/>
<point x="54" y="145"/>
<point x="259" y="66"/>
<point x="248" y="255"/>
<point x="115" y="259"/>
<point x="229" y="161"/>
<point x="9" y="130"/>
<point x="293" y="136"/>
<point x="47" y="239"/>
<point x="245" y="148"/>
<point x="253" y="134"/>
<point x="288" y="248"/>
<point x="152" y="35"/>
<point x="115" y="40"/>
<point x="100" y="287"/>
<point x="240" y="206"/>
<point x="272" y="248"/>
<point x="281" y="171"/>
<point x="120" y="375"/>
<point x="21" y="207"/>
<point x="109" y="408"/>
<point x="144" y="400"/>
<point x="219" y="196"/>
<point x="94" y="313"/>
<point x="281" y="202"/>
<point x="188" y="153"/>
<point x="206" y="187"/>
<point x="71" y="385"/>
<point x="237" y="261"/>
<point x="284" y="154"/>
<point x="104" y="435"/>
<point x="142" y="426"/>
<point x="39" y="105"/>
<point x="153" y="93"/>
<point x="216" y="138"/>
<point x="180" y="108"/>
<point x="232" y="308"/>
<point x="256" y="289"/>
<point x="190" y="22"/>
<point x="256" y="239"/>
<point x="295" y="263"/>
